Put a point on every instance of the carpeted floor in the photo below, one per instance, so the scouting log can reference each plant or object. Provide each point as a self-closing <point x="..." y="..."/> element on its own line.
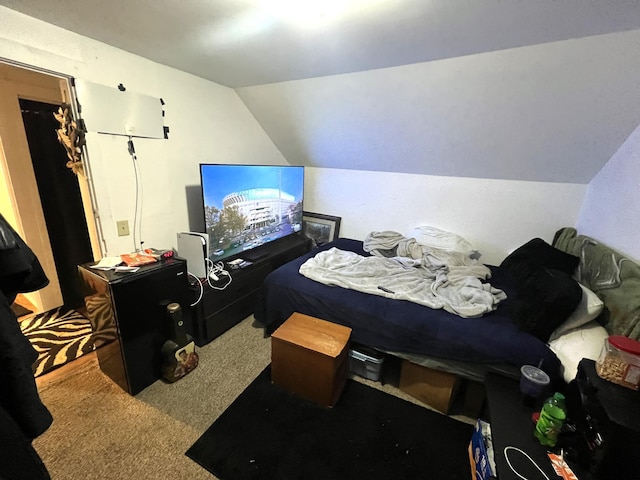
<point x="100" y="432"/>
<point x="270" y="434"/>
<point x="59" y="336"/>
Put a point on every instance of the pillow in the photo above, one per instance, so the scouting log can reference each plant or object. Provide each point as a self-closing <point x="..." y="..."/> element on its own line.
<point x="589" y="308"/>
<point x="544" y="299"/>
<point x="538" y="252"/>
<point x="579" y="343"/>
<point x="436" y="238"/>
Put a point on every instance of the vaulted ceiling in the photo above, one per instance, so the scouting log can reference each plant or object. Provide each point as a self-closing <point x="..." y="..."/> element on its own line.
<point x="361" y="52"/>
<point x="241" y="43"/>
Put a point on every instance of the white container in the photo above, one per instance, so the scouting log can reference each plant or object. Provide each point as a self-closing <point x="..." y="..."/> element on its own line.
<point x="366" y="362"/>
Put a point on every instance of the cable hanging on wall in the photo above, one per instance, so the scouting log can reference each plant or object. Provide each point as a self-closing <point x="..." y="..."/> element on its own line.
<point x="137" y="216"/>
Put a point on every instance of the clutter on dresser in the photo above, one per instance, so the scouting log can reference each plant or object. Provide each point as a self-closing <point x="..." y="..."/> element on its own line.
<point x="160" y="254"/>
<point x="130" y="262"/>
<point x="137" y="259"/>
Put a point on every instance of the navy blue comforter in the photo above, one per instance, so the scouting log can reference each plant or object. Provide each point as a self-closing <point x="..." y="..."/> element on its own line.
<point x="402" y="326"/>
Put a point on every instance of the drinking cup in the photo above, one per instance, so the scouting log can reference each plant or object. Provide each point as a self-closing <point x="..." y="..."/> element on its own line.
<point x="533" y="382"/>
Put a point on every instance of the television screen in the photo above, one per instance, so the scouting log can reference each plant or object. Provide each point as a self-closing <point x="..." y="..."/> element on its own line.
<point x="247" y="206"/>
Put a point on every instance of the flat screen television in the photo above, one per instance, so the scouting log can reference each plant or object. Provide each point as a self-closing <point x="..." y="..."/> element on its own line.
<point x="250" y="206"/>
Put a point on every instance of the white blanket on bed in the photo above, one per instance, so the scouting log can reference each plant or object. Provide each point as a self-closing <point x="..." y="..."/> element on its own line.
<point x="458" y="291"/>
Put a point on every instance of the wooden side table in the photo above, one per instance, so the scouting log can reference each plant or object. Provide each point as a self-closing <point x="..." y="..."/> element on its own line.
<point x="309" y="357"/>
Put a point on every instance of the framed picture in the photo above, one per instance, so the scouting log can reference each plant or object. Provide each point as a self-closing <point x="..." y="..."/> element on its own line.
<point x="320" y="228"/>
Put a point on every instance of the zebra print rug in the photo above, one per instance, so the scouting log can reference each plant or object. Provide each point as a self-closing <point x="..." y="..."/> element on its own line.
<point x="59" y="336"/>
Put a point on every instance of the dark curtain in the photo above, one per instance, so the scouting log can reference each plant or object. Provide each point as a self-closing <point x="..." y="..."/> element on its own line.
<point x="60" y="198"/>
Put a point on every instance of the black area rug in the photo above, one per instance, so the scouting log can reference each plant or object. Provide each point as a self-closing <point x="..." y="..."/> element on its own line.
<point x="267" y="433"/>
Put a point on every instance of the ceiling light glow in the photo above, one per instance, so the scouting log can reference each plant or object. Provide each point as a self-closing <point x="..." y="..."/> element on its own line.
<point x="311" y="12"/>
<point x="256" y="17"/>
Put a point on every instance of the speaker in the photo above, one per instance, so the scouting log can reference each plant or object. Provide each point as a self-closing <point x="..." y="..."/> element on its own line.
<point x="194" y="248"/>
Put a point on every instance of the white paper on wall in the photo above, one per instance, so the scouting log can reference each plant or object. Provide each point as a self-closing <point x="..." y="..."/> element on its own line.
<point x="119" y="112"/>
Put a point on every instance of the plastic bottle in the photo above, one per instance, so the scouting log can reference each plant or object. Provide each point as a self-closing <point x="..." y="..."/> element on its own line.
<point x="552" y="416"/>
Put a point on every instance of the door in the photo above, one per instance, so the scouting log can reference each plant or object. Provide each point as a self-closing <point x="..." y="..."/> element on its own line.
<point x="63" y="209"/>
<point x="20" y="200"/>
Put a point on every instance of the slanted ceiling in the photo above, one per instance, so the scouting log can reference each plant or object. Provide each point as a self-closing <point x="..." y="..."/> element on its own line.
<point x="541" y="90"/>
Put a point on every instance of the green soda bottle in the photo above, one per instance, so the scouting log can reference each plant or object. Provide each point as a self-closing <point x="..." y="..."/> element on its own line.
<point x="552" y="416"/>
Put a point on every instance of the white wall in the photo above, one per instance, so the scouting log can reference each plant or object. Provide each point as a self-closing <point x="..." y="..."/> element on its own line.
<point x="208" y="123"/>
<point x="611" y="208"/>
<point x="496" y="216"/>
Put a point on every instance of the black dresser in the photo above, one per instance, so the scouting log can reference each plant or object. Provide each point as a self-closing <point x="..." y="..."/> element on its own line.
<point x="129" y="320"/>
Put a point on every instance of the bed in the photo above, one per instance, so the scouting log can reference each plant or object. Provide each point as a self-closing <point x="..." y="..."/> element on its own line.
<point x="499" y="340"/>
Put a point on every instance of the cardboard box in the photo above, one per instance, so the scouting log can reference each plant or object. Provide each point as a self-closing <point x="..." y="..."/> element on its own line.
<point x="433" y="387"/>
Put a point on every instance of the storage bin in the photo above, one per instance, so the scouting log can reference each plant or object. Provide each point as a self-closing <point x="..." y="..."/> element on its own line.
<point x="619" y="361"/>
<point x="366" y="362"/>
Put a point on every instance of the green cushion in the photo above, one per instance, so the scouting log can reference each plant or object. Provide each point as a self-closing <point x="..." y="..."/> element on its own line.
<point x="610" y="275"/>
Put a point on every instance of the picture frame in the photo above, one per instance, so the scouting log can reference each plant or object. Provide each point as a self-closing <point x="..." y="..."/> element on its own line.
<point x="320" y="228"/>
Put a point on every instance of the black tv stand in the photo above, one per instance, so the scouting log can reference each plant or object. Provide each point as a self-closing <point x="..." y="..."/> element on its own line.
<point x="255" y="256"/>
<point x="219" y="310"/>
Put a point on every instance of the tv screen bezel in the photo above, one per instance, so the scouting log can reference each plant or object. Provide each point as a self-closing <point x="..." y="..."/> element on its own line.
<point x="259" y="247"/>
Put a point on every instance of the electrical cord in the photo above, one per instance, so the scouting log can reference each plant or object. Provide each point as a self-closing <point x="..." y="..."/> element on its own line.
<point x="200" y="292"/>
<point x="137" y="220"/>
<point x="506" y="456"/>
<point x="215" y="272"/>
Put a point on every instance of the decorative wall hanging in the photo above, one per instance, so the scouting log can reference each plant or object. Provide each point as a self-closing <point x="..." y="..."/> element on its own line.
<point x="71" y="136"/>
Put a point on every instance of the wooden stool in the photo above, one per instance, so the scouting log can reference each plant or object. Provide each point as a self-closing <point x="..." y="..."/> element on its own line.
<point x="309" y="357"/>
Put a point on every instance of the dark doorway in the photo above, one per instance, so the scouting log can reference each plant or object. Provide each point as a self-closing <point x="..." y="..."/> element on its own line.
<point x="60" y="197"/>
